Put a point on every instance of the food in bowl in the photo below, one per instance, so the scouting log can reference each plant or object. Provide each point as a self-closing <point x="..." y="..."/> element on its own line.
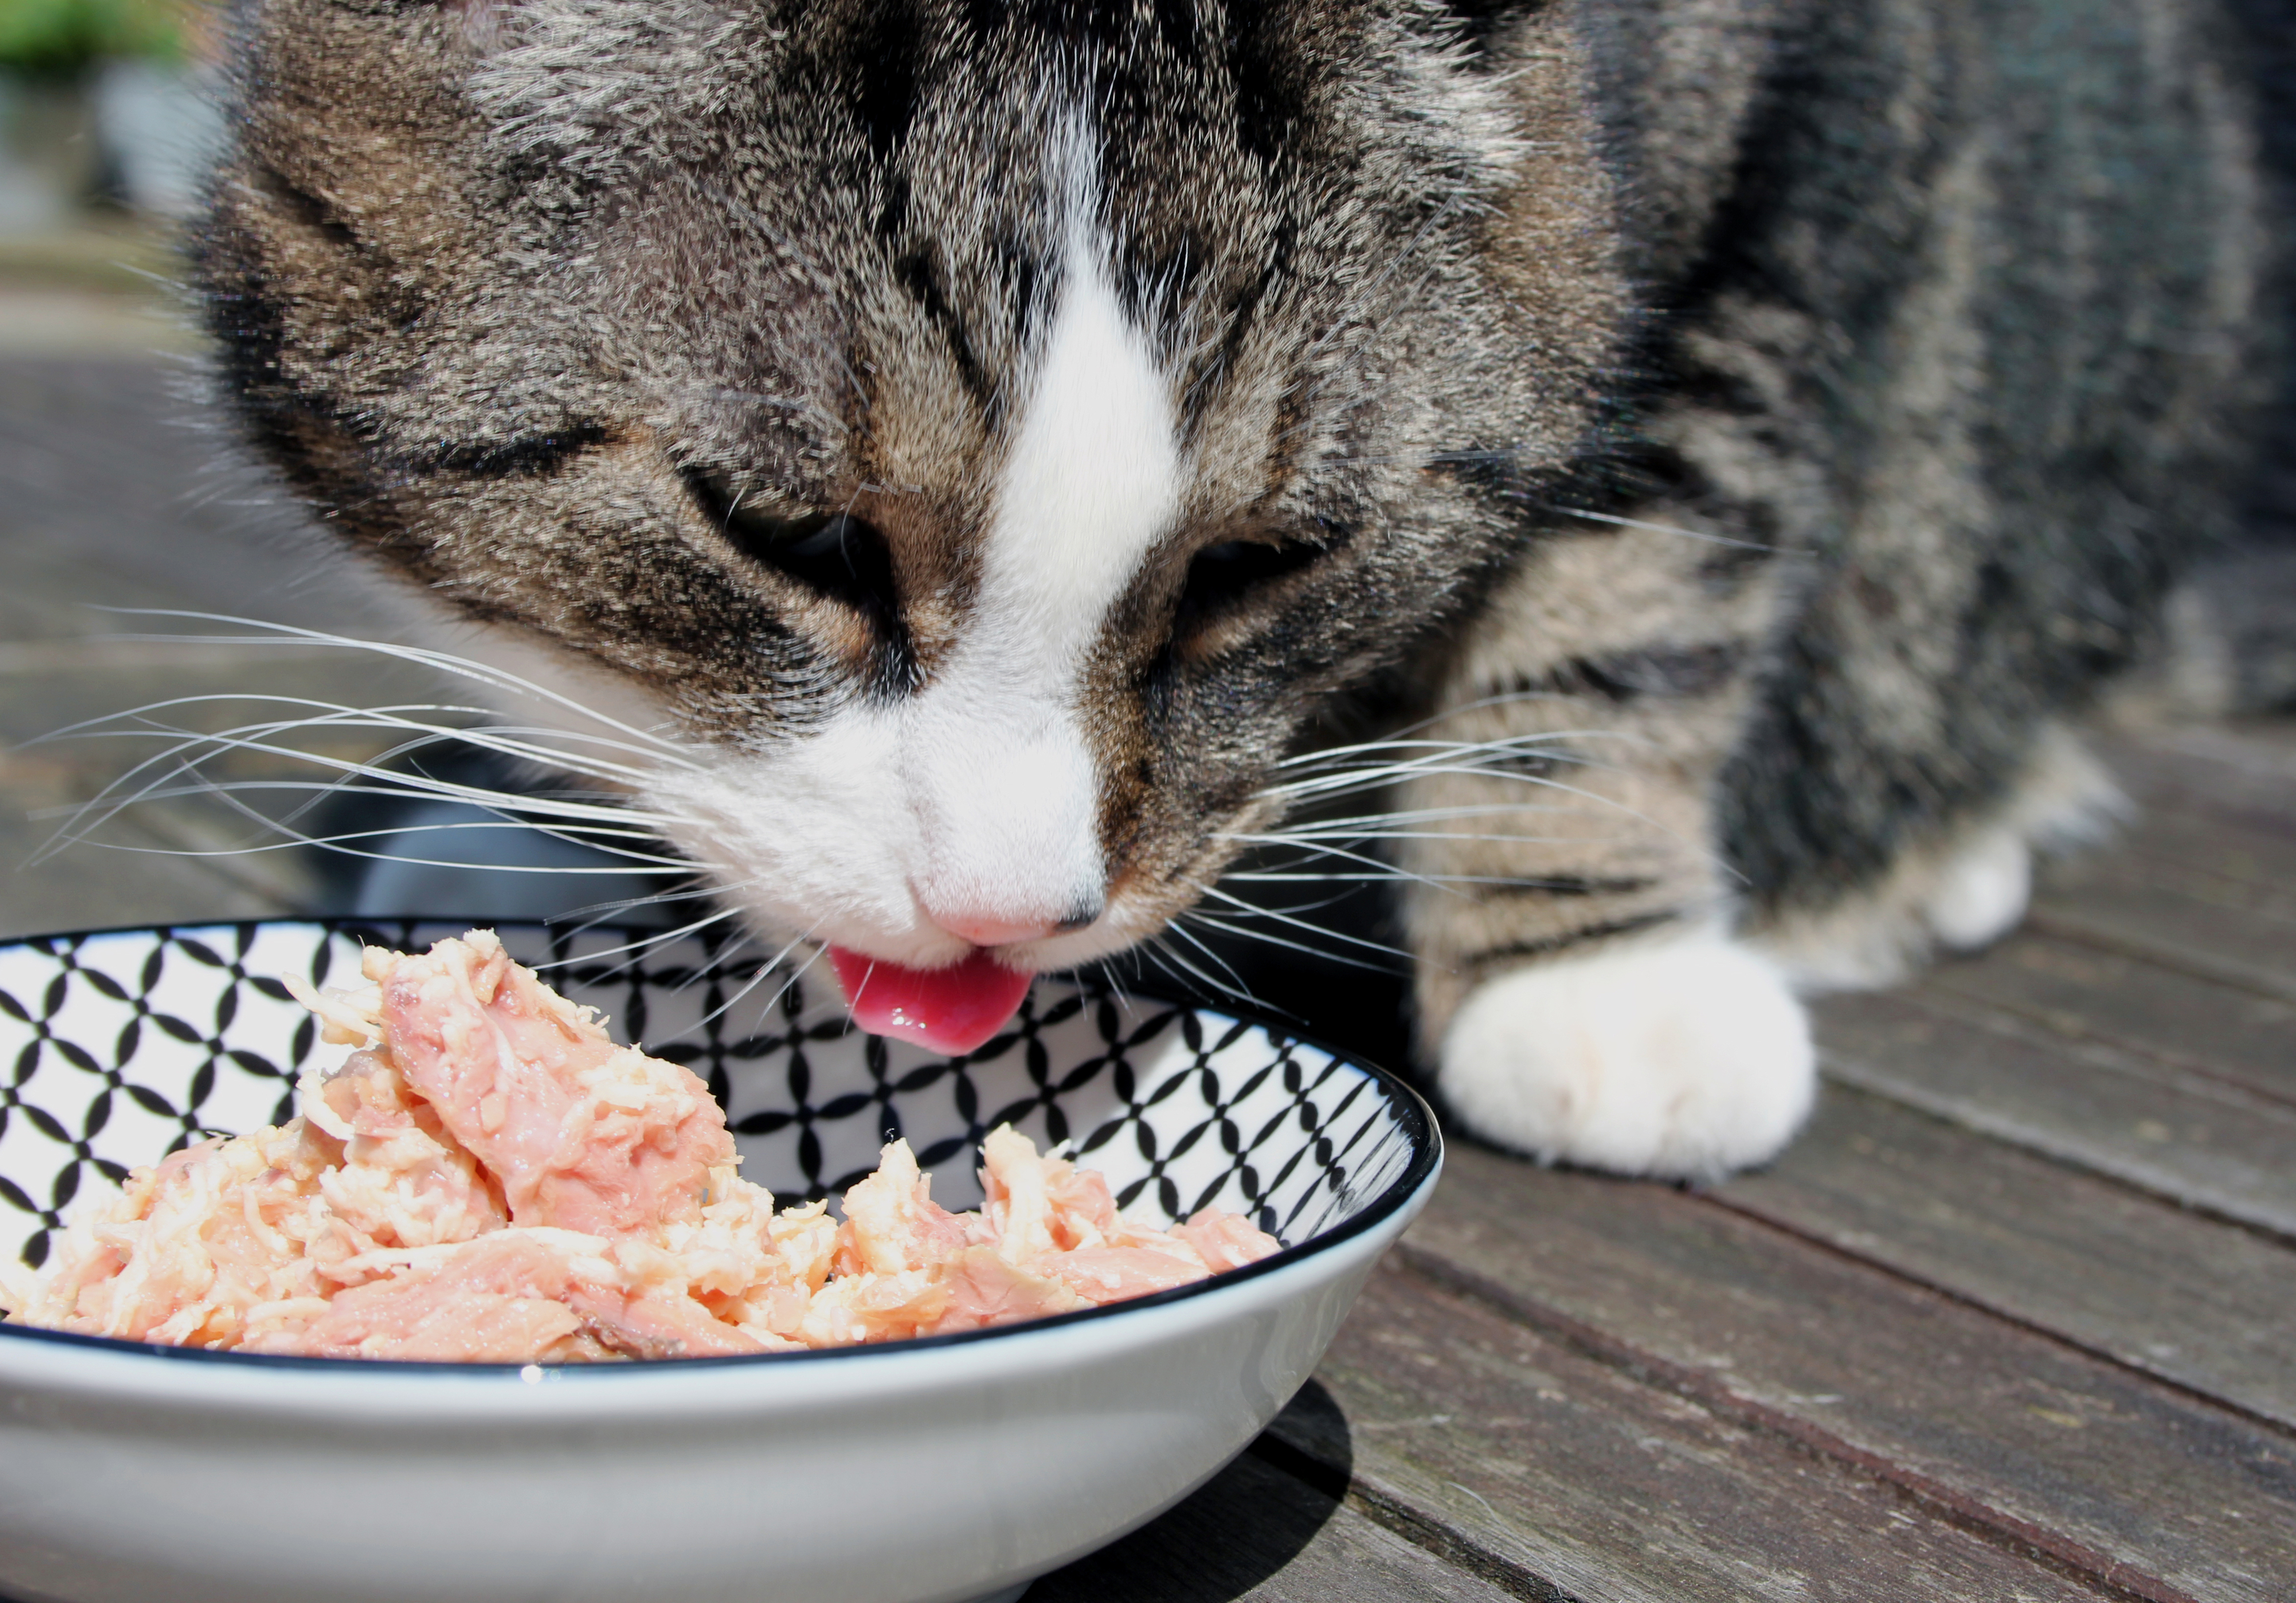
<point x="489" y="1178"/>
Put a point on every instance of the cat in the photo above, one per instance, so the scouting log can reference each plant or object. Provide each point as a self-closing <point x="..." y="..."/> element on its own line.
<point x="984" y="439"/>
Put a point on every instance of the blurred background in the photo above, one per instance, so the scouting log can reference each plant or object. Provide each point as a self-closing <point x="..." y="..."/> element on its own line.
<point x="119" y="492"/>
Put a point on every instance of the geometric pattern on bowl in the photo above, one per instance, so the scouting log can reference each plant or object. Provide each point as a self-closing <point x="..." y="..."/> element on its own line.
<point x="117" y="1047"/>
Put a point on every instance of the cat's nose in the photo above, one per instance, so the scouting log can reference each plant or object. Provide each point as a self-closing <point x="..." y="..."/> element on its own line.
<point x="986" y="929"/>
<point x="991" y="929"/>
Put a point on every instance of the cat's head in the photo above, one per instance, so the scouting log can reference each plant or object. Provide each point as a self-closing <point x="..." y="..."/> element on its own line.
<point x="980" y="432"/>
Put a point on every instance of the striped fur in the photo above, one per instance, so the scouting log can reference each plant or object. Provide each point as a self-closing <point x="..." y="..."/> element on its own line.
<point x="992" y="430"/>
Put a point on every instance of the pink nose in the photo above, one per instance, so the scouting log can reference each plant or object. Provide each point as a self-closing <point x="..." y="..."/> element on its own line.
<point x="986" y="929"/>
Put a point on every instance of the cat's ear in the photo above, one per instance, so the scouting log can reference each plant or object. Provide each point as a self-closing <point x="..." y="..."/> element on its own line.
<point x="353" y="218"/>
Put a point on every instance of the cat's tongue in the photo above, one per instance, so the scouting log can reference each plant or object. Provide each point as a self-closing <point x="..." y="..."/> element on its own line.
<point x="950" y="1010"/>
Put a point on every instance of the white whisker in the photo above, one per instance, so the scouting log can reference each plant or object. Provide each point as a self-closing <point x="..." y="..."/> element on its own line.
<point x="639" y="947"/>
<point x="757" y="979"/>
<point x="446" y="662"/>
<point x="1249" y="909"/>
<point x="1661" y="528"/>
<point x="1243" y="932"/>
<point x="1236" y="988"/>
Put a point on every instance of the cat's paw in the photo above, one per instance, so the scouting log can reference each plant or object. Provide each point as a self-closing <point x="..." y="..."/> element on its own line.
<point x="1683" y="1057"/>
<point x="1980" y="891"/>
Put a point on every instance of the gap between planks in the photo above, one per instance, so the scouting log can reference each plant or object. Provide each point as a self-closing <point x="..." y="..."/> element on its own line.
<point x="2074" y="1258"/>
<point x="2216" y="1150"/>
<point x="1536" y="1445"/>
<point x="2136" y="1485"/>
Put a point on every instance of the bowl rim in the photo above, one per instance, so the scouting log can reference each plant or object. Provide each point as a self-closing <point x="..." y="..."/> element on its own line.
<point x="1421" y="1129"/>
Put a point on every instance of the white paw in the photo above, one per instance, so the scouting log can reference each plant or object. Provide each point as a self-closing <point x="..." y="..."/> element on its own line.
<point x="1682" y="1057"/>
<point x="1981" y="891"/>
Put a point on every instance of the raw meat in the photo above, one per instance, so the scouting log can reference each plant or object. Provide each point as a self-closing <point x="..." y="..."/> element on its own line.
<point x="489" y="1178"/>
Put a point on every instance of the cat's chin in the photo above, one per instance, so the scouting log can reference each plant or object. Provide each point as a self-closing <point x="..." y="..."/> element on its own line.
<point x="1684" y="1056"/>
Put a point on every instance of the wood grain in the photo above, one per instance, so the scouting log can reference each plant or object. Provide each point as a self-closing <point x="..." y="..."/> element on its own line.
<point x="1585" y="1482"/>
<point x="2185" y="919"/>
<point x="2193" y="1140"/>
<point x="2136" y="1482"/>
<point x="2083" y="993"/>
<point x="2241" y="775"/>
<point x="2203" y="1304"/>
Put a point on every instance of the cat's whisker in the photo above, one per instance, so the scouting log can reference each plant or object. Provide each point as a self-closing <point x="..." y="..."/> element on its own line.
<point x="1106" y="966"/>
<point x="1428" y="754"/>
<point x="1307" y="833"/>
<point x="758" y="978"/>
<point x="1180" y="968"/>
<point x="178" y="771"/>
<point x="1469" y="770"/>
<point x="1384" y="871"/>
<point x="447" y="662"/>
<point x="1387" y="876"/>
<point x="1699" y="536"/>
<point x="1611" y="805"/>
<point x="1371" y="822"/>
<point x="1403" y="739"/>
<point x="801" y="404"/>
<point x="1500" y="759"/>
<point x="1245" y="933"/>
<point x="190" y="748"/>
<point x="1236" y="988"/>
<point x="1164" y="959"/>
<point x="638" y="948"/>
<point x="605" y="822"/>
<point x="511" y="868"/>
<point x="1251" y="910"/>
<point x="602" y="913"/>
<point x="505" y="740"/>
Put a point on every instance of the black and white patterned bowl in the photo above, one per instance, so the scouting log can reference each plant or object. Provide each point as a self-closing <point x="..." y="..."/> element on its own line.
<point x="945" y="1468"/>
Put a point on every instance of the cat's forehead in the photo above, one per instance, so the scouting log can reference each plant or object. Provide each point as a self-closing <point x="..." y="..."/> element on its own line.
<point x="847" y="267"/>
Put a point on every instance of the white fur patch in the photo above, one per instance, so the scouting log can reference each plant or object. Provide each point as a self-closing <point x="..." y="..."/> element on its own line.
<point x="975" y="804"/>
<point x="1685" y="1056"/>
<point x="1963" y="894"/>
<point x="997" y="763"/>
<point x="1981" y="891"/>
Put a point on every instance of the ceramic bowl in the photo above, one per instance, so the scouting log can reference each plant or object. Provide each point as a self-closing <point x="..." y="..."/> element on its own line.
<point x="949" y="1468"/>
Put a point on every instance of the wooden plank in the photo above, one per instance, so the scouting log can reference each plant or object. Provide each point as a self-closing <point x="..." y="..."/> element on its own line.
<point x="2083" y="1460"/>
<point x="2231" y="931"/>
<point x="2195" y="1141"/>
<point x="1574" y="1477"/>
<point x="2207" y="1306"/>
<point x="1255" y="1532"/>
<point x="2243" y="774"/>
<point x="2242" y="846"/>
<point x="2084" y="993"/>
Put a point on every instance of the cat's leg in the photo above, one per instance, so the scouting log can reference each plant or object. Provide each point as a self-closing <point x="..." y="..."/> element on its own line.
<point x="1959" y="891"/>
<point x="1581" y="992"/>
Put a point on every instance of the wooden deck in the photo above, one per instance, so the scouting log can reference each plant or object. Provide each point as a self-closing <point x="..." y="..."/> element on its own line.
<point x="2015" y="1318"/>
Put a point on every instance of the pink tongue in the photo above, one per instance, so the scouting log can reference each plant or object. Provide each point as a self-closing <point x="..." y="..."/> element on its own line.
<point x="951" y="1010"/>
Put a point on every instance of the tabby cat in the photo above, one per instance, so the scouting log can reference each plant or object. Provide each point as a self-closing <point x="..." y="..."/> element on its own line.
<point x="1727" y="440"/>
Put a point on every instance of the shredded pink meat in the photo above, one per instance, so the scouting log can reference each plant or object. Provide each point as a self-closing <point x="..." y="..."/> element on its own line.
<point x="580" y="1134"/>
<point x="489" y="1178"/>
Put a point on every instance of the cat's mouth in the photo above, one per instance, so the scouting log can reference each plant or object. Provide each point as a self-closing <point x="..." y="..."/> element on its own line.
<point x="950" y="1010"/>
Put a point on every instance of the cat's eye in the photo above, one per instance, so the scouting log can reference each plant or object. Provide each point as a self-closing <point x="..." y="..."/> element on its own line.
<point x="1223" y="576"/>
<point x="837" y="554"/>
